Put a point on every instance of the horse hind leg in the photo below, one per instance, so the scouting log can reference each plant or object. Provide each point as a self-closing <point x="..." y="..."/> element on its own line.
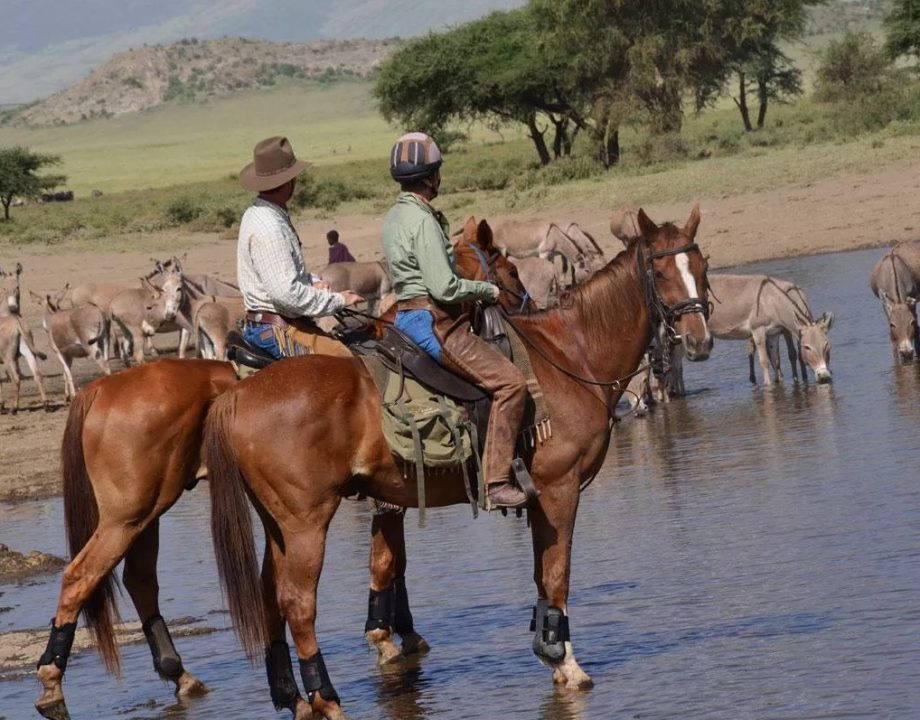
<point x="81" y="581"/>
<point x="304" y="551"/>
<point x="388" y="611"/>
<point x="140" y="579"/>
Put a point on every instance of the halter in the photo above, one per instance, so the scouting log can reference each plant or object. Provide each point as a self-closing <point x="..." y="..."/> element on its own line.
<point x="486" y="263"/>
<point x="661" y="313"/>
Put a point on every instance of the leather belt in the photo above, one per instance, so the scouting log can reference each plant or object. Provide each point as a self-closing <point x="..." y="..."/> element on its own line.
<point x="422" y="302"/>
<point x="267" y="318"/>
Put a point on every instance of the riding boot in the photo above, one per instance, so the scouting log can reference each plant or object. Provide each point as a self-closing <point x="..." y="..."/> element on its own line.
<point x="471" y="357"/>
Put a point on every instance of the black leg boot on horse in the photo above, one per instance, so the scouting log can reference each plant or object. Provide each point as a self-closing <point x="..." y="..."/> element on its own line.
<point x="388" y="610"/>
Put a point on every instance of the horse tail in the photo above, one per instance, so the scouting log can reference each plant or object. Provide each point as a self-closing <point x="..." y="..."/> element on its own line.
<point x="231" y="529"/>
<point x="81" y="517"/>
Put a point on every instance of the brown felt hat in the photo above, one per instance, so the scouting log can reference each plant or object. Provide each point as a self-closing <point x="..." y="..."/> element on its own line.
<point x="273" y="164"/>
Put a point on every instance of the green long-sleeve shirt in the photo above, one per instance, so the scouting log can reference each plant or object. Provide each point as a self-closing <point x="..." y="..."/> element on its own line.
<point x="421" y="259"/>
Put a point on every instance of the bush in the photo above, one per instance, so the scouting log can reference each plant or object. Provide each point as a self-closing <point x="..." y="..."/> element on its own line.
<point x="327" y="194"/>
<point x="852" y="67"/>
<point x="656" y="149"/>
<point x="182" y="210"/>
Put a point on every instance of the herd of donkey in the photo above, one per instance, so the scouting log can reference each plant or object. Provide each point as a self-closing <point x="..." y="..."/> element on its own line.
<point x="110" y="319"/>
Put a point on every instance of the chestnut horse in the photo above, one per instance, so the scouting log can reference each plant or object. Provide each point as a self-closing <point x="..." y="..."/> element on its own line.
<point x="303" y="433"/>
<point x="132" y="443"/>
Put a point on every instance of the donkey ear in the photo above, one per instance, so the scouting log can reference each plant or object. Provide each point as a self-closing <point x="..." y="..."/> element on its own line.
<point x="19" y="268"/>
<point x="693" y="223"/>
<point x="646" y="226"/>
<point x="826" y="321"/>
<point x="911" y="301"/>
<point x="37" y="298"/>
<point x="484" y="235"/>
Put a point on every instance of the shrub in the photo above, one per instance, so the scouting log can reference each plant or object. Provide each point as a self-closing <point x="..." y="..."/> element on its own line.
<point x="182" y="210"/>
<point x="852" y="67"/>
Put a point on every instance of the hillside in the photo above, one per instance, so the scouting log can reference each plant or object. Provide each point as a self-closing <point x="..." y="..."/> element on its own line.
<point x="45" y="45"/>
<point x="194" y="70"/>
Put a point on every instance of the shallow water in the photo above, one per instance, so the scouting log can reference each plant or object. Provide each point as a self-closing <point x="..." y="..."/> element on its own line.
<point x="744" y="553"/>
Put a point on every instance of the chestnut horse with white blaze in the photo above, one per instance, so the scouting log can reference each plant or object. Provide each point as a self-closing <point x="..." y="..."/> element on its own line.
<point x="131" y="446"/>
<point x="297" y="437"/>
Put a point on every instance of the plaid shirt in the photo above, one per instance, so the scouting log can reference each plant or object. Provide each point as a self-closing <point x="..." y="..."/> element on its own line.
<point x="270" y="267"/>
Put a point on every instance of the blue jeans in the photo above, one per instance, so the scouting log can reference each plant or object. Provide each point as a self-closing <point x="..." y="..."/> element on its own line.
<point x="418" y="325"/>
<point x="262" y="336"/>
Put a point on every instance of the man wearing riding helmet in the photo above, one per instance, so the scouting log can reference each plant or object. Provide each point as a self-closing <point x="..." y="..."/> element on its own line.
<point x="428" y="292"/>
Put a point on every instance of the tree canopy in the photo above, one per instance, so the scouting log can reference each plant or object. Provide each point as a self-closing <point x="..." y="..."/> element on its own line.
<point x="903" y="27"/>
<point x="18" y="175"/>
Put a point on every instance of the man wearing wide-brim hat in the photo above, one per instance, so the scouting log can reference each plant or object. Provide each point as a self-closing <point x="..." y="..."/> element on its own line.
<point x="279" y="293"/>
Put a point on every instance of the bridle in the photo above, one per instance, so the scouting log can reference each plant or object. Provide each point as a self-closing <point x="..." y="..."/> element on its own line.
<point x="487" y="262"/>
<point x="663" y="315"/>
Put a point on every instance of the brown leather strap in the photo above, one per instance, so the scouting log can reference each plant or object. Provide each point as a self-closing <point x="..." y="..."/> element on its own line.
<point x="422" y="302"/>
<point x="267" y="318"/>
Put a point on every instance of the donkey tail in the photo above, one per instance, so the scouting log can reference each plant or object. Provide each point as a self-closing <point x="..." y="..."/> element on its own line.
<point x="231" y="529"/>
<point x="81" y="517"/>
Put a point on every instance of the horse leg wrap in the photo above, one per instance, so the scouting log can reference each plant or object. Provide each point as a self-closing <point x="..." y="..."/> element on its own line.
<point x="551" y="631"/>
<point x="166" y="660"/>
<point x="380" y="614"/>
<point x="402" y="623"/>
<point x="316" y="679"/>
<point x="59" y="644"/>
<point x="281" y="681"/>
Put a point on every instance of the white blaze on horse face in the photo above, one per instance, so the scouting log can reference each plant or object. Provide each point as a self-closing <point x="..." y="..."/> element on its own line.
<point x="683" y="264"/>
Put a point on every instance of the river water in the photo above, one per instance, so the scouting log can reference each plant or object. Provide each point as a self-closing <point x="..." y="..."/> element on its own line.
<point x="744" y="553"/>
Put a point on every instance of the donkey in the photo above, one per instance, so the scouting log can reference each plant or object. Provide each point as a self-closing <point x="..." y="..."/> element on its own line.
<point x="895" y="284"/>
<point x="9" y="291"/>
<point x="16" y="341"/>
<point x="121" y="476"/>
<point x="623" y="224"/>
<point x="546" y="239"/>
<point x="73" y="333"/>
<point x="369" y="279"/>
<point x="137" y="313"/>
<point x="541" y="278"/>
<point x="214" y="321"/>
<point x="580" y="353"/>
<point x="760" y="309"/>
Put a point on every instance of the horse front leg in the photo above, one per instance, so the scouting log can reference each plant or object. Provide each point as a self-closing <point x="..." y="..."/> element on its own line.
<point x="142" y="584"/>
<point x="552" y="524"/>
<point x="388" y="609"/>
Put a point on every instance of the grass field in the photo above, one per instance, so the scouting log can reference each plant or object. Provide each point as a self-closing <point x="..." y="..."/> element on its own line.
<point x="185" y="143"/>
<point x="174" y="168"/>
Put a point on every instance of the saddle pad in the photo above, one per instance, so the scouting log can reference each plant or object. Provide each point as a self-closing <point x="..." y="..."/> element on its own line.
<point x="442" y="426"/>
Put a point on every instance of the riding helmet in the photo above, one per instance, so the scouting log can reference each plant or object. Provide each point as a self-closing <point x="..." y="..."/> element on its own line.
<point x="414" y="157"/>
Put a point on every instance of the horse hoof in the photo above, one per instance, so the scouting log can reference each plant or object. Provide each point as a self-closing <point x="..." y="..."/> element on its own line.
<point x="415" y="644"/>
<point x="387" y="653"/>
<point x="190" y="687"/>
<point x="53" y="710"/>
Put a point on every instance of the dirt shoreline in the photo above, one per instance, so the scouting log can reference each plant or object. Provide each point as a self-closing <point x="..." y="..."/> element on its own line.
<point x="845" y="212"/>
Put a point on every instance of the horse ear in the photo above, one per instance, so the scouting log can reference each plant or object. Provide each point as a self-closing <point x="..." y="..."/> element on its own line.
<point x="469" y="229"/>
<point x="693" y="223"/>
<point x="484" y="235"/>
<point x="646" y="226"/>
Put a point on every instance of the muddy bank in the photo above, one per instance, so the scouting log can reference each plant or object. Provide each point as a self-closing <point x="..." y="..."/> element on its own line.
<point x="20" y="649"/>
<point x="15" y="565"/>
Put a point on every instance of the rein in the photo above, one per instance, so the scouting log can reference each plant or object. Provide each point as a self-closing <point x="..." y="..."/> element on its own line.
<point x="658" y="310"/>
<point x="486" y="264"/>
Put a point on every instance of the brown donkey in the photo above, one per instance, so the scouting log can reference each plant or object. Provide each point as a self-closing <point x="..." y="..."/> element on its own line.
<point x="131" y="444"/>
<point x="303" y="433"/>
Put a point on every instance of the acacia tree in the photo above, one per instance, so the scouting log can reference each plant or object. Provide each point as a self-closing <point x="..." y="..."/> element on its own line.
<point x="18" y="178"/>
<point x="491" y="69"/>
<point x="902" y="25"/>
